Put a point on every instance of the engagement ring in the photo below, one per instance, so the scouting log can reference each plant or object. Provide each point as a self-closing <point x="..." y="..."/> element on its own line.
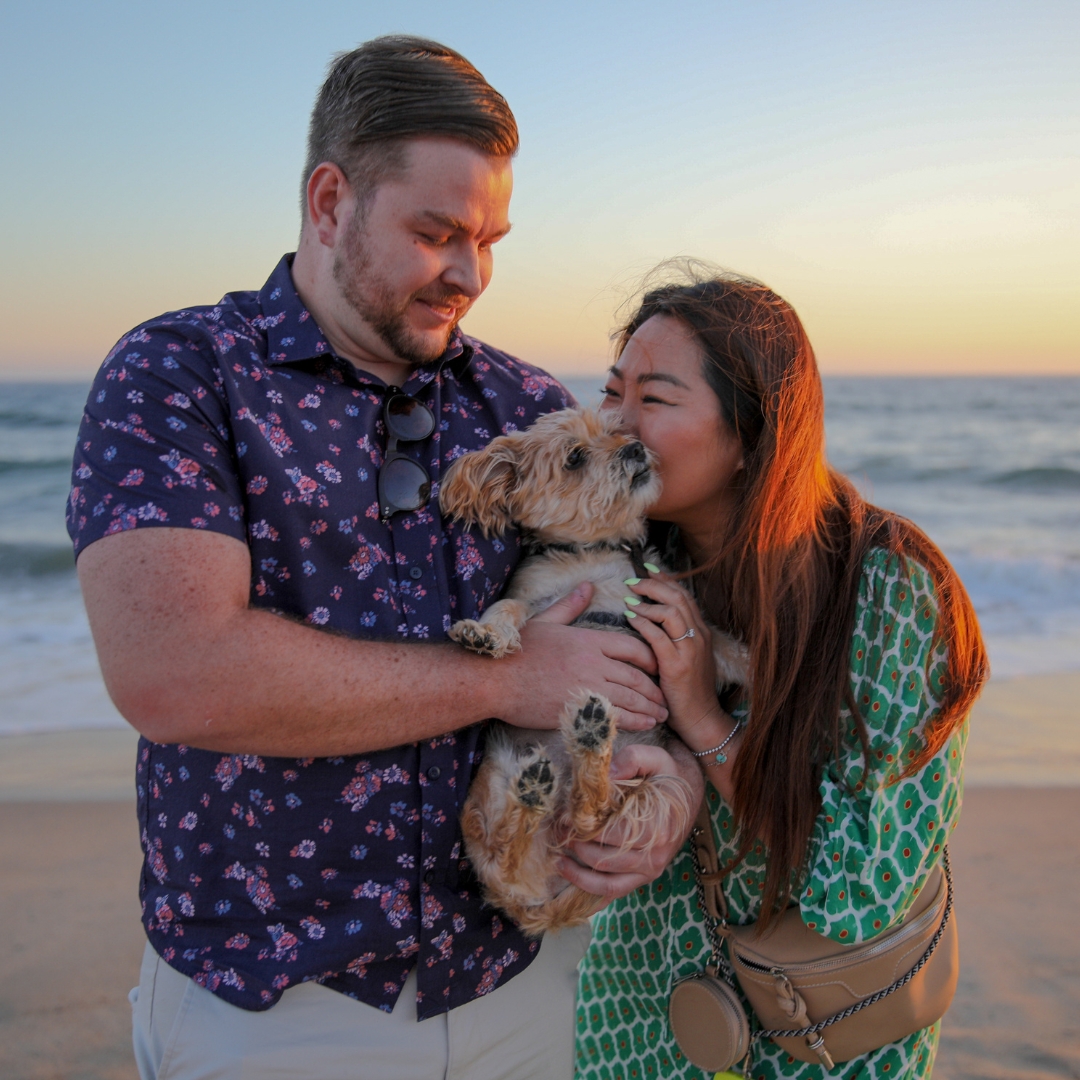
<point x="689" y="633"/>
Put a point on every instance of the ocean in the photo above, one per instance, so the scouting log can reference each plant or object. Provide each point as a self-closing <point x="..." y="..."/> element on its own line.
<point x="989" y="467"/>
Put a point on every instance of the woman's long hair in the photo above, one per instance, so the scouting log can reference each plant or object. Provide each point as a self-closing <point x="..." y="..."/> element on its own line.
<point x="786" y="576"/>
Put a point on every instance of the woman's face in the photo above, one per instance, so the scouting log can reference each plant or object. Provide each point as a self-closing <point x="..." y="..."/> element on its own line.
<point x="659" y="388"/>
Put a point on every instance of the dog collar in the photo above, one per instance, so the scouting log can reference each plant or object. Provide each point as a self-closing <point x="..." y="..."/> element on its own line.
<point x="634" y="548"/>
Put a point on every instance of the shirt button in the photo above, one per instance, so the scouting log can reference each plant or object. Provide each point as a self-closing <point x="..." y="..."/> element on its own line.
<point x="429" y="877"/>
<point x="416" y="573"/>
<point x="434" y="772"/>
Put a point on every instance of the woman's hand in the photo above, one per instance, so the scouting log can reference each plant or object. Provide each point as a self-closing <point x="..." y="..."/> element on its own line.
<point x="682" y="643"/>
<point x="603" y="866"/>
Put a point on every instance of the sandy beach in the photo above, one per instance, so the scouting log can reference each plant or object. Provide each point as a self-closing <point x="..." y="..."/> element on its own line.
<point x="70" y="939"/>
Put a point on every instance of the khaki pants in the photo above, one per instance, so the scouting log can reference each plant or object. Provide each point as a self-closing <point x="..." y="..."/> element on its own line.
<point x="521" y="1031"/>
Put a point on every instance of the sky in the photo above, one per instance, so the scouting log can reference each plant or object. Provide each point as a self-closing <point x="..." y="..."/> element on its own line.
<point x="906" y="174"/>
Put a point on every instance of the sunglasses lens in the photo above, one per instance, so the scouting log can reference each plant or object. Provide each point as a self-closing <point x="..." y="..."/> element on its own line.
<point x="409" y="419"/>
<point x="403" y="485"/>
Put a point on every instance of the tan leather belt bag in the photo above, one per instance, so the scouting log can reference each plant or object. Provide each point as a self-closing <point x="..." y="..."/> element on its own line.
<point x="822" y="1002"/>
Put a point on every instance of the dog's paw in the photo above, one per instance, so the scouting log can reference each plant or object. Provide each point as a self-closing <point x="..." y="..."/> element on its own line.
<point x="535" y="784"/>
<point x="482" y="639"/>
<point x="592" y="725"/>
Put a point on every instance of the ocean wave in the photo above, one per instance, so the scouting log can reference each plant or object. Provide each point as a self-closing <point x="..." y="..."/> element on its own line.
<point x="1021" y="595"/>
<point x="1039" y="479"/>
<point x="1048" y="479"/>
<point x="35" y="560"/>
<point x="27" y="418"/>
<point x="903" y="471"/>
<point x="14" y="465"/>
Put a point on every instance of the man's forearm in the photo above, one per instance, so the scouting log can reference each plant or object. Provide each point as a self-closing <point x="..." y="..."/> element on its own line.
<point x="266" y="685"/>
<point x="186" y="659"/>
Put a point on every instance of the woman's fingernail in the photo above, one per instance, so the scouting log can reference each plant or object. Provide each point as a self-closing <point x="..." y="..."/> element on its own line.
<point x="632" y="581"/>
<point x="652" y="569"/>
<point x="631" y="614"/>
<point x="633" y="601"/>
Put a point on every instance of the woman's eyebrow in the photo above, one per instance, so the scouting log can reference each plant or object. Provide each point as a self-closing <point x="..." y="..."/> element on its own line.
<point x="657" y="376"/>
<point x="650" y="376"/>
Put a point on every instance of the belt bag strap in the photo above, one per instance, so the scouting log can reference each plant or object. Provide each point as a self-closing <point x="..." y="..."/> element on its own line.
<point x="709" y="875"/>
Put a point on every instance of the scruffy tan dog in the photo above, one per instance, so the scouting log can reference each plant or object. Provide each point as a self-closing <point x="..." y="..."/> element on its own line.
<point x="578" y="487"/>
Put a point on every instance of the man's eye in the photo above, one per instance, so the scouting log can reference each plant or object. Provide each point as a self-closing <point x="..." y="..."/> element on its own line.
<point x="576" y="458"/>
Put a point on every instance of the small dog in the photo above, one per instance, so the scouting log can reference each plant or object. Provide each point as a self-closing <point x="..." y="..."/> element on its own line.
<point x="578" y="487"/>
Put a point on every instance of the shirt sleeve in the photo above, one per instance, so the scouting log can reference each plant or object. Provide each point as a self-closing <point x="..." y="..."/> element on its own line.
<point x="155" y="447"/>
<point x="877" y="839"/>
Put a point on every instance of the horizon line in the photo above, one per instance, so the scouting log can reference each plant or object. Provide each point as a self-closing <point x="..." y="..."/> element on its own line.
<point x="69" y="378"/>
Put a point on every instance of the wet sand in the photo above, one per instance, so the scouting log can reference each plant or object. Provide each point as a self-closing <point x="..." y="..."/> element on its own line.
<point x="70" y="939"/>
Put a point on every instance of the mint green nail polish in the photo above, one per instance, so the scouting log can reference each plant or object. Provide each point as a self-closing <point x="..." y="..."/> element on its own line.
<point x="631" y="614"/>
<point x="632" y="581"/>
<point x="633" y="601"/>
<point x="652" y="569"/>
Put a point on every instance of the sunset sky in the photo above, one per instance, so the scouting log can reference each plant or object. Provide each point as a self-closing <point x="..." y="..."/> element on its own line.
<point x="907" y="174"/>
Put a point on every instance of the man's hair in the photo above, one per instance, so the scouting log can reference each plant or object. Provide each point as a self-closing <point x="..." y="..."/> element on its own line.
<point x="395" y="88"/>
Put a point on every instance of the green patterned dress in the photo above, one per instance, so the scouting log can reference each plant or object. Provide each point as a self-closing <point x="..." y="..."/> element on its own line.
<point x="874" y="844"/>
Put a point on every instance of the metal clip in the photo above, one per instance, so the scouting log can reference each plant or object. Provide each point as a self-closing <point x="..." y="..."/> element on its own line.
<point x="818" y="1046"/>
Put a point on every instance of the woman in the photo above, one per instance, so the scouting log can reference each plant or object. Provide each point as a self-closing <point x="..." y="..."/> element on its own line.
<point x="840" y="774"/>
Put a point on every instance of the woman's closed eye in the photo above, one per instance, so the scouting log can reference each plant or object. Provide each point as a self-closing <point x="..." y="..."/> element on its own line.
<point x="647" y="399"/>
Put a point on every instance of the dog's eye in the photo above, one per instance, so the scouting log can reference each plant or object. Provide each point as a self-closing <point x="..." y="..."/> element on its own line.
<point x="576" y="458"/>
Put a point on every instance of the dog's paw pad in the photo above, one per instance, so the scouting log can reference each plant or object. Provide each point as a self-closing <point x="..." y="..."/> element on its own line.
<point x="477" y="638"/>
<point x="536" y="783"/>
<point x="592" y="724"/>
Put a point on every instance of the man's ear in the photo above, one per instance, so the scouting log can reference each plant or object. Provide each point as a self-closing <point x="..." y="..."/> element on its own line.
<point x="477" y="488"/>
<point x="328" y="191"/>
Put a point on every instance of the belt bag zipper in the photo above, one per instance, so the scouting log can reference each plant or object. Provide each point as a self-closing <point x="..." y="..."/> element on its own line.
<point x="931" y="915"/>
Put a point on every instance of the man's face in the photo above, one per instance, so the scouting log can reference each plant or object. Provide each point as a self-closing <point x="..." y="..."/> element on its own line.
<point x="414" y="260"/>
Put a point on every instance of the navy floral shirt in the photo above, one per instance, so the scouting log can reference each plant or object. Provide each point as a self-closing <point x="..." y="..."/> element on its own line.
<point x="259" y="872"/>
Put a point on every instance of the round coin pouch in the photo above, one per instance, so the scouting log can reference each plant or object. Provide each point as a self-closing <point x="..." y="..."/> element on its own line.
<point x="709" y="1022"/>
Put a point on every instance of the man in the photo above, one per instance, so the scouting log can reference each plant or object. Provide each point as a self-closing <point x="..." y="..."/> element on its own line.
<point x="270" y="583"/>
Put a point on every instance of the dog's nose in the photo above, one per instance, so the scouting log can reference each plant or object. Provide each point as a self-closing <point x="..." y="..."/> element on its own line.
<point x="634" y="451"/>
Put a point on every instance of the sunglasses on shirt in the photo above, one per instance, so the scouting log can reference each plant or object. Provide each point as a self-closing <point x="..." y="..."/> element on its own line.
<point x="404" y="484"/>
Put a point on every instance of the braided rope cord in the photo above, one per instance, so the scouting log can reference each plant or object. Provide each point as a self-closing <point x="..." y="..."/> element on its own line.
<point x="796" y="1033"/>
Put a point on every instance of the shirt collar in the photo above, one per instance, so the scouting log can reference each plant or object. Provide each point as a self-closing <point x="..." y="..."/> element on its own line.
<point x="292" y="335"/>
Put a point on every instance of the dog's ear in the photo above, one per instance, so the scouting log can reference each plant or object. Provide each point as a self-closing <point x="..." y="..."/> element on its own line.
<point x="478" y="486"/>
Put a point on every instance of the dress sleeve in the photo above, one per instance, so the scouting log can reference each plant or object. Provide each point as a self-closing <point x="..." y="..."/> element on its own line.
<point x="877" y="838"/>
<point x="155" y="448"/>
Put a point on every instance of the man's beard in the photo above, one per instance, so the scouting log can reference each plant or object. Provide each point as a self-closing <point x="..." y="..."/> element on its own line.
<point x="372" y="298"/>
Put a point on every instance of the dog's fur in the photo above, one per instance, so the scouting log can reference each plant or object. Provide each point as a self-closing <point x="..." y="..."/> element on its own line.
<point x="575" y="480"/>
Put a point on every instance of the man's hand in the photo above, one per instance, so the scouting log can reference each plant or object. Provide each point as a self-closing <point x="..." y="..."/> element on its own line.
<point x="602" y="867"/>
<point x="557" y="659"/>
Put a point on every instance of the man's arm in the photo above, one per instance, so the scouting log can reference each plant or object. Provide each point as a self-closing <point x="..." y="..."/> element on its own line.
<point x="186" y="659"/>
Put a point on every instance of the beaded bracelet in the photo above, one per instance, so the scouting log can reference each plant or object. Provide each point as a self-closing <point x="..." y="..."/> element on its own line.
<point x="721" y="757"/>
